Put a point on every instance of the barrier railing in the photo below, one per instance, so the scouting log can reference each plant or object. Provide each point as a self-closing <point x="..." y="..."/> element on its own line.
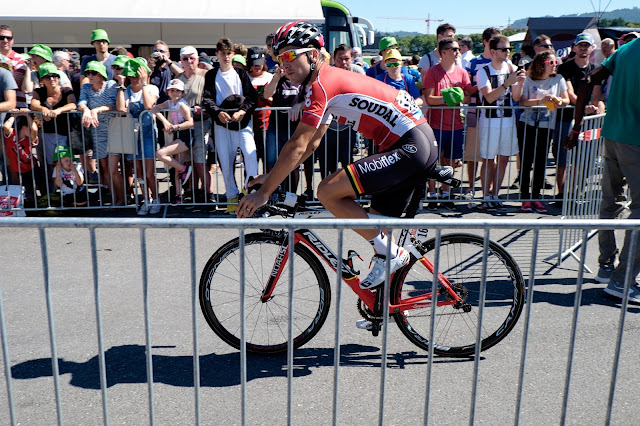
<point x="151" y="344"/>
<point x="124" y="182"/>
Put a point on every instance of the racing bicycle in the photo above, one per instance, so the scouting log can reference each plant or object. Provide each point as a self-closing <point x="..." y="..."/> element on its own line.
<point x="457" y="296"/>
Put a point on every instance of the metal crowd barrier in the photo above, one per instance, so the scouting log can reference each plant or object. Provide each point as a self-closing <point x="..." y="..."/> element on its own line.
<point x="399" y="397"/>
<point x="206" y="186"/>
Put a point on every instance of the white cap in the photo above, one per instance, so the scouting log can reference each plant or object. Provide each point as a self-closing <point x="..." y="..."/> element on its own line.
<point x="188" y="50"/>
<point x="176" y="84"/>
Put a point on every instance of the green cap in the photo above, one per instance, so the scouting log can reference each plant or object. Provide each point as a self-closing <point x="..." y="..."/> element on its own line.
<point x="240" y="59"/>
<point x="120" y="61"/>
<point x="96" y="66"/>
<point x="48" y="68"/>
<point x="99" y="34"/>
<point x="61" y="151"/>
<point x="387" y="41"/>
<point x="42" y="51"/>
<point x="452" y="96"/>
<point x="132" y="66"/>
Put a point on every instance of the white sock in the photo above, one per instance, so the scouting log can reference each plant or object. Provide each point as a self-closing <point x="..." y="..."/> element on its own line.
<point x="380" y="242"/>
<point x="433" y="195"/>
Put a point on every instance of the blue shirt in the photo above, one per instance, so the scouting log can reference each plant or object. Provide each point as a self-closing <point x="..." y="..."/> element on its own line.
<point x="408" y="83"/>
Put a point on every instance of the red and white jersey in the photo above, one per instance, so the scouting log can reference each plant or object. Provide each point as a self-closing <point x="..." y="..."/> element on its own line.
<point x="373" y="108"/>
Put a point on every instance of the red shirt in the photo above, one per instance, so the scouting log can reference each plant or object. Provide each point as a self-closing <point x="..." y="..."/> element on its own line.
<point x="371" y="107"/>
<point x="436" y="78"/>
<point x="19" y="71"/>
<point x="19" y="153"/>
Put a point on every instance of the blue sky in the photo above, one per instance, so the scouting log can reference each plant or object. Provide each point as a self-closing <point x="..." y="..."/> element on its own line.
<point x="470" y="16"/>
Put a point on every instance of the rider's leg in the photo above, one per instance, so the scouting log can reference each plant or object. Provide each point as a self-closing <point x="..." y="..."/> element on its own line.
<point x="337" y="195"/>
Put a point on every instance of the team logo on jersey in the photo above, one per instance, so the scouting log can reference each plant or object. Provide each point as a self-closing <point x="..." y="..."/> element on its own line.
<point x="411" y="149"/>
<point x="307" y="100"/>
<point x="375" y="108"/>
<point x="405" y="100"/>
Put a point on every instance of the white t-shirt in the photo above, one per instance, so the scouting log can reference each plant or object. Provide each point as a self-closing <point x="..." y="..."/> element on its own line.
<point x="227" y="83"/>
<point x="466" y="58"/>
<point x="263" y="80"/>
<point x="498" y="77"/>
<point x="69" y="184"/>
<point x="538" y="89"/>
<point x="137" y="97"/>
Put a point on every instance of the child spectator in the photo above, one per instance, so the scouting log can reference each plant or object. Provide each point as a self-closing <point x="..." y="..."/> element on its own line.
<point x="68" y="177"/>
<point x="19" y="141"/>
<point x="179" y="123"/>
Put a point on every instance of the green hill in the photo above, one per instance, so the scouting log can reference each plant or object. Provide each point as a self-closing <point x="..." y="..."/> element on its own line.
<point x="630" y="15"/>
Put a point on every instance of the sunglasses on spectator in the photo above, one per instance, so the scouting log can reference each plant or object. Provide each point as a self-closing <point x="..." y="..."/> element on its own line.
<point x="91" y="73"/>
<point x="115" y="67"/>
<point x="6" y="37"/>
<point x="392" y="64"/>
<point x="291" y="55"/>
<point x="188" y="58"/>
<point x="455" y="49"/>
<point x="552" y="62"/>
<point x="51" y="76"/>
<point x="504" y="49"/>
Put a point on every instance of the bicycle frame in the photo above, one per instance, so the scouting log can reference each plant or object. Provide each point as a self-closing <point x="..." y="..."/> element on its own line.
<point x="349" y="275"/>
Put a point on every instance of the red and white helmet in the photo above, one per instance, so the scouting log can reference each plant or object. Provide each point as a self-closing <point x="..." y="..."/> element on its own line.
<point x="298" y="33"/>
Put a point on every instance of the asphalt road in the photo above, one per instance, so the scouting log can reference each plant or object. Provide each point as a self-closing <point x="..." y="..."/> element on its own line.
<point x="171" y="308"/>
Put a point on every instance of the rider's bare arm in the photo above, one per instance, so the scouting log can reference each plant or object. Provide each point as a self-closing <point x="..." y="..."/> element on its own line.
<point x="301" y="145"/>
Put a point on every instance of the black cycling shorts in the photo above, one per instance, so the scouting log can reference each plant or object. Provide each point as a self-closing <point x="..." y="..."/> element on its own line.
<point x="391" y="176"/>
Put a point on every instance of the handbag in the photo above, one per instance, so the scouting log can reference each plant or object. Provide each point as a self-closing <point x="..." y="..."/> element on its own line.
<point x="123" y="134"/>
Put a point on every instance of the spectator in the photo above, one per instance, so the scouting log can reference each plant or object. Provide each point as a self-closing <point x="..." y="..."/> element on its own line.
<point x="621" y="157"/>
<point x="120" y="51"/>
<point x="118" y="67"/>
<point x="53" y="101"/>
<point x="259" y="79"/>
<point x="270" y="59"/>
<point x="470" y="155"/>
<point x="357" y="57"/>
<point x="61" y="61"/>
<point x="343" y="58"/>
<point x="204" y="61"/>
<point x="40" y="54"/>
<point x="626" y="38"/>
<point x="68" y="177"/>
<point x="601" y="89"/>
<point x="161" y="74"/>
<point x="543" y="86"/>
<point x="240" y="49"/>
<point x="138" y="97"/>
<point x="19" y="67"/>
<point x="230" y="99"/>
<point x="466" y="49"/>
<point x="282" y="125"/>
<point x="499" y="83"/>
<point x="8" y="90"/>
<point x="239" y="61"/>
<point x="528" y="52"/>
<point x="178" y="124"/>
<point x="385" y="44"/>
<point x="375" y="60"/>
<point x="446" y="124"/>
<point x="574" y="73"/>
<point x="20" y="136"/>
<point x="100" y="41"/>
<point x="393" y="75"/>
<point x="193" y="79"/>
<point x="96" y="98"/>
<point x="432" y="58"/>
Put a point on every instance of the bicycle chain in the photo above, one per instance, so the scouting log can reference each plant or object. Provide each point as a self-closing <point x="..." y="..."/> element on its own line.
<point x="366" y="312"/>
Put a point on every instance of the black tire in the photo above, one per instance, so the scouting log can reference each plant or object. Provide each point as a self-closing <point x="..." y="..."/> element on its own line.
<point x="267" y="324"/>
<point x="461" y="262"/>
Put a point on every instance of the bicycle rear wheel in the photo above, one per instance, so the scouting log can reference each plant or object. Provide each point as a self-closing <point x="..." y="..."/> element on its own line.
<point x="461" y="263"/>
<point x="266" y="324"/>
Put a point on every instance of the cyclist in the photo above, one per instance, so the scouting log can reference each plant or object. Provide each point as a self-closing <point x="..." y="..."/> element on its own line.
<point x="407" y="146"/>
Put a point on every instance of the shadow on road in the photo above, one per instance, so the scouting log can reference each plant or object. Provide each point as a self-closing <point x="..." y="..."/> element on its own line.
<point x="127" y="364"/>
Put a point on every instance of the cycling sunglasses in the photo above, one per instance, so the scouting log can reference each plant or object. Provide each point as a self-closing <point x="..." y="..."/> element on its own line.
<point x="291" y="55"/>
<point x="552" y="62"/>
<point x="392" y="64"/>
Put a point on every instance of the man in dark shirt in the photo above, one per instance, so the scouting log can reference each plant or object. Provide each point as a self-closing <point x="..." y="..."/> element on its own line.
<point x="574" y="72"/>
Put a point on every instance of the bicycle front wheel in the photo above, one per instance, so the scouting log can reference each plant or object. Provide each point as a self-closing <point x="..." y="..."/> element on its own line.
<point x="456" y="328"/>
<point x="266" y="323"/>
